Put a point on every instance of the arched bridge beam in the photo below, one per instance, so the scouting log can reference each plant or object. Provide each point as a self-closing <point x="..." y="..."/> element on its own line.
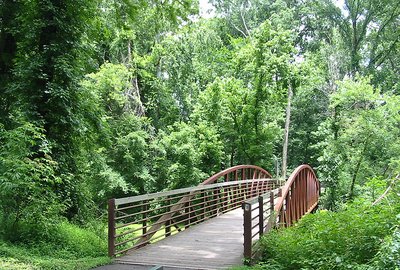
<point x="239" y="172"/>
<point x="299" y="196"/>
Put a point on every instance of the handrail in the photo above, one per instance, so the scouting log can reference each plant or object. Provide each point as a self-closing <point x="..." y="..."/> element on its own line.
<point x="258" y="219"/>
<point x="141" y="217"/>
<point x="239" y="169"/>
<point x="149" y="196"/>
<point x="300" y="195"/>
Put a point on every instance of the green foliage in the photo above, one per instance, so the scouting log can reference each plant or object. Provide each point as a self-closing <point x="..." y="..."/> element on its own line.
<point x="354" y="149"/>
<point x="327" y="240"/>
<point x="309" y="111"/>
<point x="106" y="88"/>
<point x="129" y="151"/>
<point x="27" y="182"/>
<point x="373" y="188"/>
<point x="185" y="155"/>
<point x="228" y="106"/>
<point x="388" y="256"/>
<point x="70" y="247"/>
<point x="76" y="241"/>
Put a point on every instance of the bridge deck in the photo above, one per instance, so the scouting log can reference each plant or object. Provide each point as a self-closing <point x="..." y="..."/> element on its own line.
<point x="214" y="244"/>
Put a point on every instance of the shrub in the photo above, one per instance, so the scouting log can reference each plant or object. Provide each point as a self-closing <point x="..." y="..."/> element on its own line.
<point x="388" y="256"/>
<point x="331" y="240"/>
<point x="78" y="241"/>
<point x="28" y="204"/>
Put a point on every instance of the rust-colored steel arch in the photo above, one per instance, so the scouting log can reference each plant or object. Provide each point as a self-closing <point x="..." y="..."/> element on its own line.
<point x="239" y="172"/>
<point x="299" y="196"/>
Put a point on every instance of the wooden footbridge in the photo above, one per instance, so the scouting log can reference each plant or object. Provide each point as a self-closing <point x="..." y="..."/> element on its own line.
<point x="214" y="225"/>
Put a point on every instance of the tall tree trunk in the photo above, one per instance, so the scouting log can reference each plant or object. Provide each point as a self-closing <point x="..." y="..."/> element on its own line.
<point x="133" y="102"/>
<point x="287" y="125"/>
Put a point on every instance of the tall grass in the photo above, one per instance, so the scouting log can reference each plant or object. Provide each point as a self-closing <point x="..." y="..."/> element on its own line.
<point x="67" y="246"/>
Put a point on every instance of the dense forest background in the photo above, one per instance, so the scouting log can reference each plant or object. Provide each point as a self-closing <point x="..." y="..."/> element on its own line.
<point x="103" y="98"/>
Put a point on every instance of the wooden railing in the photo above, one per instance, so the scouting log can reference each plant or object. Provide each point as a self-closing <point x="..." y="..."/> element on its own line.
<point x="257" y="220"/>
<point x="279" y="207"/>
<point x="134" y="222"/>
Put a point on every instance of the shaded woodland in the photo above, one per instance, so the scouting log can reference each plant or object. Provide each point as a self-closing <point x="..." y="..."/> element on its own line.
<point x="102" y="99"/>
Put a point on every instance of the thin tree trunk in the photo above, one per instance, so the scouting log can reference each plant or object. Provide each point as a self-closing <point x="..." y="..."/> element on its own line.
<point x="358" y="165"/>
<point x="133" y="102"/>
<point x="286" y="138"/>
<point x="232" y="156"/>
<point x="353" y="180"/>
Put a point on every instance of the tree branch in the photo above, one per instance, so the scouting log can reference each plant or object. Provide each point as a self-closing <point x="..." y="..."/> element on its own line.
<point x="244" y="23"/>
<point x="238" y="29"/>
<point x="387" y="190"/>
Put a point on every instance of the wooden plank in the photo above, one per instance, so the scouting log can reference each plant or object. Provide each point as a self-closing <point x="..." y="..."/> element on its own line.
<point x="214" y="244"/>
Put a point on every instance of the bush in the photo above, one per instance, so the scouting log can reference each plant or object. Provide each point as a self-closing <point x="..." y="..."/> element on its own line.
<point x="78" y="241"/>
<point x="66" y="247"/>
<point x="388" y="256"/>
<point x="331" y="240"/>
<point x="28" y="204"/>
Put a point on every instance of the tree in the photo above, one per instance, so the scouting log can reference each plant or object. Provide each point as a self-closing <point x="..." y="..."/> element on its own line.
<point x="369" y="30"/>
<point x="42" y="72"/>
<point x="286" y="133"/>
<point x="367" y="135"/>
<point x="182" y="65"/>
<point x="185" y="155"/>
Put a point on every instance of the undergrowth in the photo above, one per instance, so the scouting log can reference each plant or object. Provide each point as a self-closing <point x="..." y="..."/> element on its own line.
<point x="360" y="236"/>
<point x="67" y="247"/>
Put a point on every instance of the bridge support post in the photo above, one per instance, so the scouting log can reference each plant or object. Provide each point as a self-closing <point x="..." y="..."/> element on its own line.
<point x="280" y="213"/>
<point x="272" y="218"/>
<point x="247" y="232"/>
<point x="168" y="228"/>
<point x="187" y="216"/>
<point x="144" y="217"/>
<point x="261" y="215"/>
<point x="111" y="227"/>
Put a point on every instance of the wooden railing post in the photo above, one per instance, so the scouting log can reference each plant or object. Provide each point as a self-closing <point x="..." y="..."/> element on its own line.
<point x="261" y="215"/>
<point x="203" y="205"/>
<point x="247" y="231"/>
<point x="187" y="216"/>
<point x="144" y="217"/>
<point x="271" y="201"/>
<point x="111" y="227"/>
<point x="280" y="214"/>
<point x="168" y="223"/>
<point x="224" y="199"/>
<point x="168" y="228"/>
<point x="272" y="217"/>
<point x="216" y="203"/>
